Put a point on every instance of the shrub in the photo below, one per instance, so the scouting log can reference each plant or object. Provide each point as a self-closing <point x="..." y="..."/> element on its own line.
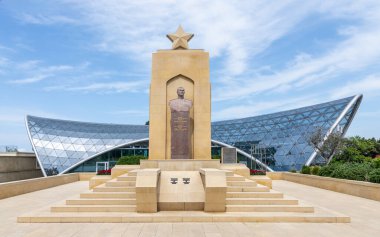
<point x="293" y="171"/>
<point x="328" y="169"/>
<point x="315" y="170"/>
<point x="374" y="176"/>
<point x="130" y="160"/>
<point x="305" y="170"/>
<point x="376" y="163"/>
<point x="353" y="171"/>
<point x="215" y="157"/>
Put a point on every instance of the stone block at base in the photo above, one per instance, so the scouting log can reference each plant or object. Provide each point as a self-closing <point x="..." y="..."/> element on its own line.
<point x="122" y="169"/>
<point x="239" y="169"/>
<point x="262" y="179"/>
<point x="98" y="180"/>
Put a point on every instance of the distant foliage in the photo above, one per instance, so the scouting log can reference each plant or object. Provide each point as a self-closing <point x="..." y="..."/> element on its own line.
<point x="374" y="176"/>
<point x="315" y="170"/>
<point x="305" y="170"/>
<point x="215" y="157"/>
<point x="358" y="150"/>
<point x="130" y="160"/>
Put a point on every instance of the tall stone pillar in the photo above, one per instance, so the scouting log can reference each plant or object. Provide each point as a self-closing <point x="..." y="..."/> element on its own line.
<point x="171" y="69"/>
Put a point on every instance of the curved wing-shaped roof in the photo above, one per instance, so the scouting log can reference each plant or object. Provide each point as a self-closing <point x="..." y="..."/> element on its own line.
<point x="279" y="139"/>
<point x="61" y="144"/>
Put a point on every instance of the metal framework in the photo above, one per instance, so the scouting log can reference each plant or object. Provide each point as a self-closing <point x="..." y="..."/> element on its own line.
<point x="62" y="145"/>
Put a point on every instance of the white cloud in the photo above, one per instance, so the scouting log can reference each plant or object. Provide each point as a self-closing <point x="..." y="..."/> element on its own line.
<point x="367" y="86"/>
<point x="109" y="87"/>
<point x="358" y="51"/>
<point x="40" y="19"/>
<point x="259" y="108"/>
<point x="30" y="79"/>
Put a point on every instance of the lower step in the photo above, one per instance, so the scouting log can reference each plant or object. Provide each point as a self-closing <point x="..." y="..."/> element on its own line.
<point x="108" y="195"/>
<point x="155" y="217"/>
<point x="77" y="208"/>
<point x="121" y="184"/>
<point x="101" y="202"/>
<point x="248" y="189"/>
<point x="114" y="189"/>
<point x="269" y="208"/>
<point x="260" y="201"/>
<point x="254" y="195"/>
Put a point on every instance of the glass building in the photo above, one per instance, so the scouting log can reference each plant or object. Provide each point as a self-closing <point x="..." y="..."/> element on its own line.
<point x="275" y="142"/>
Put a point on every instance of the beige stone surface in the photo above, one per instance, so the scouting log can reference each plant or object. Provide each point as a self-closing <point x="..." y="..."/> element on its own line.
<point x="86" y="176"/>
<point x="364" y="213"/>
<point x="170" y="69"/>
<point x="178" y="165"/>
<point x="274" y="175"/>
<point x="181" y="196"/>
<point x="118" y="170"/>
<point x="215" y="185"/>
<point x="14" y="188"/>
<point x="98" y="180"/>
<point x="239" y="169"/>
<point x="352" y="187"/>
<point x="18" y="166"/>
<point x="262" y="179"/>
<point x="147" y="190"/>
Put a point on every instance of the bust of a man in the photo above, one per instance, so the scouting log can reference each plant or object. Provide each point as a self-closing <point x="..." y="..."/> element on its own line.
<point x="180" y="104"/>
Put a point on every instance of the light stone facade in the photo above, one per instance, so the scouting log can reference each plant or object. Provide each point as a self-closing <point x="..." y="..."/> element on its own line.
<point x="170" y="70"/>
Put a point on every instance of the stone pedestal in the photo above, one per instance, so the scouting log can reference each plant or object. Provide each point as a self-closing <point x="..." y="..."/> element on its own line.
<point x="172" y="69"/>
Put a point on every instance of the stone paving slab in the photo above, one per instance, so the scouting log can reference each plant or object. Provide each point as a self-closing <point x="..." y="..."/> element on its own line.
<point x="364" y="213"/>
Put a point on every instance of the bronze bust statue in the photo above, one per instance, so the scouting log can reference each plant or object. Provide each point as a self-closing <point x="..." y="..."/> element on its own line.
<point x="180" y="126"/>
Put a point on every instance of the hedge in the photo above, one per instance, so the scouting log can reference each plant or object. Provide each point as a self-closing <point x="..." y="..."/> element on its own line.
<point x="130" y="160"/>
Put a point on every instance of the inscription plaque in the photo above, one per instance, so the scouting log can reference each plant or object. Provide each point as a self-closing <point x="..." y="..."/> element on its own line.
<point x="229" y="155"/>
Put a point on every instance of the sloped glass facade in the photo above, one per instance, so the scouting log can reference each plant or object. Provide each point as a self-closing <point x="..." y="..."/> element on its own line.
<point x="279" y="140"/>
<point x="61" y="144"/>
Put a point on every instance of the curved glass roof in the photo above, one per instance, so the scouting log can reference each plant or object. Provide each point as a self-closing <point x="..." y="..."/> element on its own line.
<point x="279" y="139"/>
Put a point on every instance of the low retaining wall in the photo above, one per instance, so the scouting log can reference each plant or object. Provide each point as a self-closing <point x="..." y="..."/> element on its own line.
<point x="356" y="188"/>
<point x="15" y="188"/>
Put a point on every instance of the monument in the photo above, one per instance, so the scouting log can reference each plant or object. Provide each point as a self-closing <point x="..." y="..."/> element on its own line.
<point x="180" y="126"/>
<point x="180" y="67"/>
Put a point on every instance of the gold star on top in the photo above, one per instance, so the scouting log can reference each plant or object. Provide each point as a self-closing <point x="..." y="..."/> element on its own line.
<point x="180" y="38"/>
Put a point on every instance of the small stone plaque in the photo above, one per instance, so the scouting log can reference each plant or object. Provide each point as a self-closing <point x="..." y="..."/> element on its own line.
<point x="229" y="155"/>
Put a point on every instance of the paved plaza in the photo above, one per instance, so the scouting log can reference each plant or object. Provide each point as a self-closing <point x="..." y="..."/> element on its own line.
<point x="364" y="213"/>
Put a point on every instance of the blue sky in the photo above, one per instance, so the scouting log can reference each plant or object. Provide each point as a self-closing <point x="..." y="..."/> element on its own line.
<point x="90" y="60"/>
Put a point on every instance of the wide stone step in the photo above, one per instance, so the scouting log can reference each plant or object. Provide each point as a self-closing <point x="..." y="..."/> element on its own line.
<point x="120" y="184"/>
<point x="235" y="178"/>
<point x="260" y="201"/>
<point x="248" y="189"/>
<point x="101" y="201"/>
<point x="98" y="208"/>
<point x="108" y="195"/>
<point x="114" y="189"/>
<point x="271" y="194"/>
<point x="268" y="208"/>
<point x="126" y="178"/>
<point x="241" y="183"/>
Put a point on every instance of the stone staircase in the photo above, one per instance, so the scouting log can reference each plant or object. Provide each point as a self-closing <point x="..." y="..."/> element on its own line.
<point x="116" y="195"/>
<point x="246" y="201"/>
<point x="244" y="195"/>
